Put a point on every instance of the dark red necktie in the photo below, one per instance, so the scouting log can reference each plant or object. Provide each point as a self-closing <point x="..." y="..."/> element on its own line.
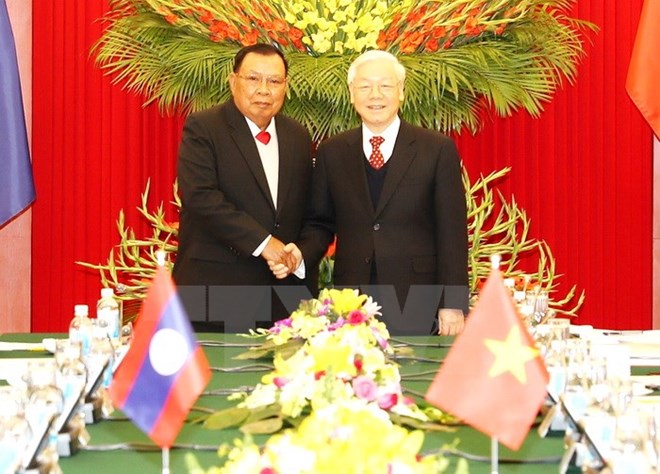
<point x="376" y="159"/>
<point x="264" y="137"/>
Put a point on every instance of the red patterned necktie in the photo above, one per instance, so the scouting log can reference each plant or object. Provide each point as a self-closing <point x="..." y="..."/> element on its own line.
<point x="264" y="137"/>
<point x="376" y="159"/>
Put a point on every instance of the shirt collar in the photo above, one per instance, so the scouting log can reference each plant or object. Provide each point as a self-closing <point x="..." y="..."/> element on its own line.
<point x="389" y="134"/>
<point x="254" y="128"/>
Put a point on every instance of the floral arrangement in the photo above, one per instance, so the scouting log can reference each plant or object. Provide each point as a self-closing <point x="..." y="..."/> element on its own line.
<point x="334" y="310"/>
<point x="332" y="349"/>
<point x="347" y="436"/>
<point x="462" y="55"/>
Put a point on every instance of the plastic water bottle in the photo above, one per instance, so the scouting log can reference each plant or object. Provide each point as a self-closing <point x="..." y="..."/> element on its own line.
<point x="80" y="328"/>
<point x="108" y="314"/>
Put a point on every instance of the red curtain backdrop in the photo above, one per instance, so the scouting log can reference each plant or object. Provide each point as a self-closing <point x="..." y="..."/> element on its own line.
<point x="582" y="172"/>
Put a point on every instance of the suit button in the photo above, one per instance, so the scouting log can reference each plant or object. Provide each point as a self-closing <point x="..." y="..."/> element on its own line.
<point x="367" y="260"/>
<point x="376" y="226"/>
<point x="277" y="225"/>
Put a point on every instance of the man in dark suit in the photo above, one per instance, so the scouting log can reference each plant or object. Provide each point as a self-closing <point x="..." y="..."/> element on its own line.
<point x="243" y="174"/>
<point x="392" y="194"/>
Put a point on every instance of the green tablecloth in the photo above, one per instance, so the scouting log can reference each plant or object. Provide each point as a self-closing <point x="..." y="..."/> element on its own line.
<point x="118" y="461"/>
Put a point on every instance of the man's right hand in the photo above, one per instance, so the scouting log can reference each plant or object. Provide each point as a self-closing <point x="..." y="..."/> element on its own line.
<point x="283" y="268"/>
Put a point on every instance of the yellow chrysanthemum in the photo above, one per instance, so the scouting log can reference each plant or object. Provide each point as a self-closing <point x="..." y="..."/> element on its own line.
<point x="344" y="301"/>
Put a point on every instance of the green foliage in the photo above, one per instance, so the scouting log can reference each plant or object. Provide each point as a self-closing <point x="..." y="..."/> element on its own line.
<point x="514" y="56"/>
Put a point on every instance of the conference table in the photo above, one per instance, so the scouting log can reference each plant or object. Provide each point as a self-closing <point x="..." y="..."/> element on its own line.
<point x="110" y="449"/>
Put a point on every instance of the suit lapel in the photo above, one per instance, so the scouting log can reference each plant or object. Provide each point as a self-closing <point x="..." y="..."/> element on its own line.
<point x="402" y="157"/>
<point x="241" y="135"/>
<point x="353" y="164"/>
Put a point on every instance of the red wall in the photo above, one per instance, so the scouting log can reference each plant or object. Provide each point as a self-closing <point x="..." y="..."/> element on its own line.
<point x="583" y="171"/>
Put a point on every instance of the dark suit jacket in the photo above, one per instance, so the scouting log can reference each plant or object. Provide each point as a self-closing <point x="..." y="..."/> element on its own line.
<point x="418" y="232"/>
<point x="227" y="209"/>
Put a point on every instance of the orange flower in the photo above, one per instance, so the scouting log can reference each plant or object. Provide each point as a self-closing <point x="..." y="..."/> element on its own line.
<point x="300" y="45"/>
<point x="295" y="34"/>
<point x="233" y="33"/>
<point x="280" y="25"/>
<point x="391" y="34"/>
<point x="250" y="37"/>
<point x="206" y="16"/>
<point x="432" y="45"/>
<point x="439" y="32"/>
<point x="381" y="42"/>
<point x="331" y="248"/>
<point x="220" y="28"/>
<point x="411" y="42"/>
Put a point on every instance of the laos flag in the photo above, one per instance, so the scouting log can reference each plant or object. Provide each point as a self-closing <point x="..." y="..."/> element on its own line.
<point x="165" y="370"/>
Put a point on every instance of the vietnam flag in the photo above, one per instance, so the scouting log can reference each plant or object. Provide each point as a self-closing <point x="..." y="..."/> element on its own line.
<point x="165" y="369"/>
<point x="493" y="377"/>
<point x="643" y="81"/>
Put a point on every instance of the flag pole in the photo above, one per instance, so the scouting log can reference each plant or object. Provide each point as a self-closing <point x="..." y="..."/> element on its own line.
<point x="494" y="454"/>
<point x="166" y="460"/>
<point x="160" y="260"/>
<point x="494" y="444"/>
<point x="160" y="257"/>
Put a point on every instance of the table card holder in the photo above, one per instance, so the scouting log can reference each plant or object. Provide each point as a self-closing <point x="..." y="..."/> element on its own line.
<point x="43" y="407"/>
<point x="583" y="449"/>
<point x="94" y="392"/>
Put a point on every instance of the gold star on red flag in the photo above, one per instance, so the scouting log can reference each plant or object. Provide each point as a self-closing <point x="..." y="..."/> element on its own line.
<point x="511" y="355"/>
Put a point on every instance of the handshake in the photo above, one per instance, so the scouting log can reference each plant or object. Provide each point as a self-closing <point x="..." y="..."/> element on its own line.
<point x="282" y="259"/>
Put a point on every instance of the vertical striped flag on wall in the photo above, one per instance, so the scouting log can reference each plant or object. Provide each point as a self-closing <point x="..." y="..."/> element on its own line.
<point x="16" y="184"/>
<point x="165" y="370"/>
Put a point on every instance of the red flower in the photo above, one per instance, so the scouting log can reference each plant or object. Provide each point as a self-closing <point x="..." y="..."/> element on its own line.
<point x="250" y="38"/>
<point x="268" y="470"/>
<point x="388" y="400"/>
<point x="233" y="33"/>
<point x="280" y="381"/>
<point x="432" y="45"/>
<point x="331" y="248"/>
<point x="295" y="34"/>
<point x="411" y="42"/>
<point x="206" y="16"/>
<point x="439" y="32"/>
<point x="356" y="317"/>
<point x="381" y="42"/>
<point x="300" y="45"/>
<point x="219" y="27"/>
<point x="358" y="362"/>
<point x="280" y="25"/>
<point x="319" y="374"/>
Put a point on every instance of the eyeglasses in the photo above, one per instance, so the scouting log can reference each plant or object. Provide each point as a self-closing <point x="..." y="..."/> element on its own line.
<point x="255" y="80"/>
<point x="384" y="89"/>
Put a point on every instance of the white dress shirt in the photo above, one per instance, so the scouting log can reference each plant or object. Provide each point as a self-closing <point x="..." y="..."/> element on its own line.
<point x="389" y="134"/>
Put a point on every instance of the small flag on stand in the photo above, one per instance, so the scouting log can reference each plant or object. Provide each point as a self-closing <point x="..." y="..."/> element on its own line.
<point x="16" y="184"/>
<point x="493" y="377"/>
<point x="165" y="370"/>
<point x="643" y="81"/>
